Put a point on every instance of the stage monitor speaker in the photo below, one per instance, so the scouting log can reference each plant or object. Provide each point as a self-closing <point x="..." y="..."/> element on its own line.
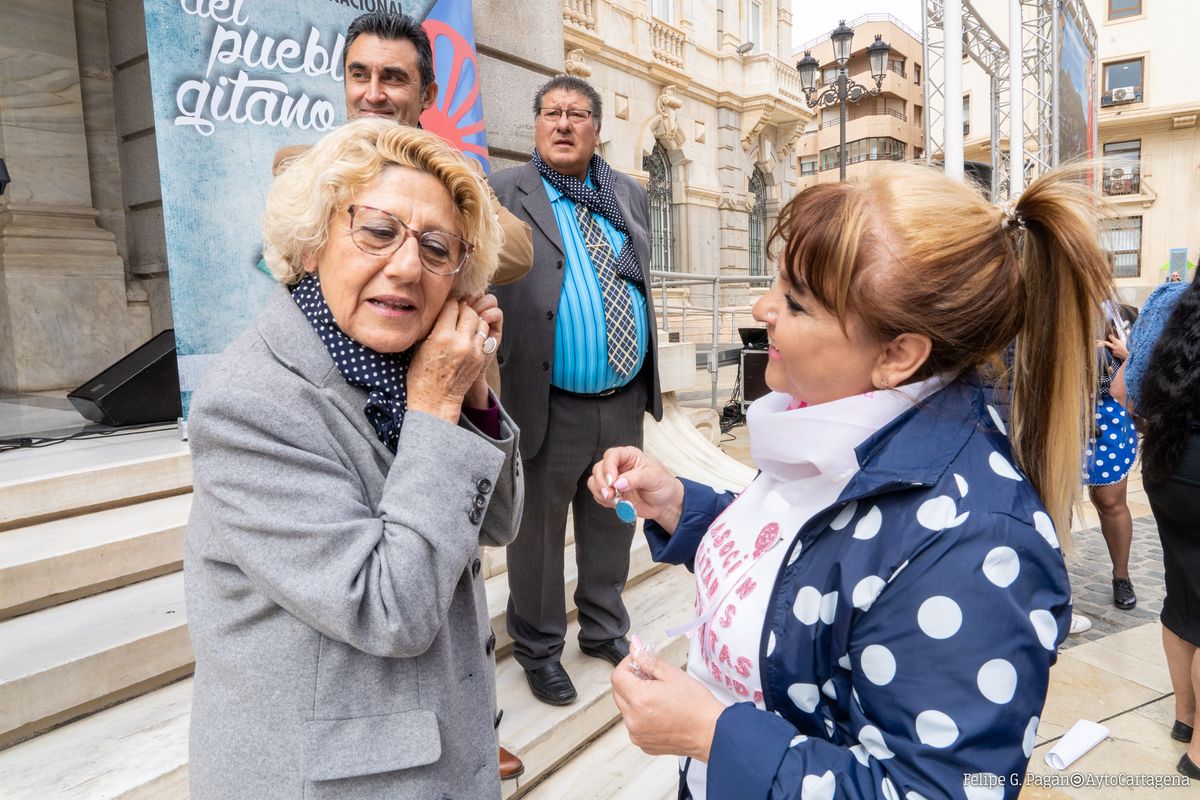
<point x="142" y="387"/>
<point x="753" y="376"/>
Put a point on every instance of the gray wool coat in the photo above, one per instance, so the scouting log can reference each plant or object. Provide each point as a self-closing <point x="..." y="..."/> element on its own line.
<point x="334" y="595"/>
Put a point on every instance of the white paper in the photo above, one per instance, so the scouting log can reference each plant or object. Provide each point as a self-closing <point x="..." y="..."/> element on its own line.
<point x="1082" y="737"/>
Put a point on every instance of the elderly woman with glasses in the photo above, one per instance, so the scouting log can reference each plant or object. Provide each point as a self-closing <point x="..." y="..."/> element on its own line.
<point x="349" y="461"/>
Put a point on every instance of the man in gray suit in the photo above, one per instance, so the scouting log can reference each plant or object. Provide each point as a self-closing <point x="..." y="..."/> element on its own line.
<point x="579" y="368"/>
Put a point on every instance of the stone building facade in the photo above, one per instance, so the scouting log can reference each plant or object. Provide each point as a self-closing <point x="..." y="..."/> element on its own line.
<point x="83" y="267"/>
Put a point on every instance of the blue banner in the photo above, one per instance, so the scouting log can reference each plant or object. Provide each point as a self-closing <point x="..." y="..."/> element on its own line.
<point x="232" y="82"/>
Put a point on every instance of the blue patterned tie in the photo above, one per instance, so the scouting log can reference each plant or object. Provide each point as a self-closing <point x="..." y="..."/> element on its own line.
<point x="618" y="309"/>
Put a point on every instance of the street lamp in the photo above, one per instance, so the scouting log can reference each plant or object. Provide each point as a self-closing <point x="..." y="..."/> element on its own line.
<point x="845" y="90"/>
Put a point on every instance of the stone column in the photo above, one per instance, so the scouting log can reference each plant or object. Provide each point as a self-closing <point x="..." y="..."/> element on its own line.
<point x="62" y="284"/>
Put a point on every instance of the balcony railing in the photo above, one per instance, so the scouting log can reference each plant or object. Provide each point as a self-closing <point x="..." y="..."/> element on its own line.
<point x="858" y="158"/>
<point x="1123" y="183"/>
<point x="666" y="43"/>
<point x="580" y="13"/>
<point x="787" y="78"/>
<point x="852" y="116"/>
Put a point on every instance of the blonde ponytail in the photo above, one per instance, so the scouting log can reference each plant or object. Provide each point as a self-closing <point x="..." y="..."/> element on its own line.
<point x="1065" y="276"/>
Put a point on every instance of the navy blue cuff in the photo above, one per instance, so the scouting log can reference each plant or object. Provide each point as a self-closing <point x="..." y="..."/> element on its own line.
<point x="701" y="505"/>
<point x="747" y="749"/>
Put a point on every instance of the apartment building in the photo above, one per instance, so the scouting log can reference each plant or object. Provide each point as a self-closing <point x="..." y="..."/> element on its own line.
<point x="888" y="126"/>
<point x="1148" y="133"/>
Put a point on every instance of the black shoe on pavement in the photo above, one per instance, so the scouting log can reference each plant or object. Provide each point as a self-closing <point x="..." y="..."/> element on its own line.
<point x="1181" y="731"/>
<point x="613" y="651"/>
<point x="1187" y="767"/>
<point x="551" y="684"/>
<point x="1123" y="596"/>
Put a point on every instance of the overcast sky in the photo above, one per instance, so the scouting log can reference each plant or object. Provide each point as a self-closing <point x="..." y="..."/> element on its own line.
<point x="813" y="18"/>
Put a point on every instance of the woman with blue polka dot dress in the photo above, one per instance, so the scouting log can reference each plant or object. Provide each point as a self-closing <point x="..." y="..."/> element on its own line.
<point x="877" y="612"/>
<point x="1111" y="454"/>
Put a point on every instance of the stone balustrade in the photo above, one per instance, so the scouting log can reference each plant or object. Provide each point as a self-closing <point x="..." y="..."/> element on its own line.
<point x="666" y="43"/>
<point x="580" y="13"/>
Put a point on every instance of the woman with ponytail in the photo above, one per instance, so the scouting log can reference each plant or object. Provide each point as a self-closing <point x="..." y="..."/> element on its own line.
<point x="1170" y="419"/>
<point x="877" y="612"/>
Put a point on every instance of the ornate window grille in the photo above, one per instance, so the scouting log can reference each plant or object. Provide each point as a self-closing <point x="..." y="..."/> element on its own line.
<point x="658" y="191"/>
<point x="758" y="224"/>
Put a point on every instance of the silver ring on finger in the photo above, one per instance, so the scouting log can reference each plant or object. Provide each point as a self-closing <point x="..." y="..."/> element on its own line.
<point x="489" y="345"/>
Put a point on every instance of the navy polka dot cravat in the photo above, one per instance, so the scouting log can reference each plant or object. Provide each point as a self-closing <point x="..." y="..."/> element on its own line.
<point x="383" y="375"/>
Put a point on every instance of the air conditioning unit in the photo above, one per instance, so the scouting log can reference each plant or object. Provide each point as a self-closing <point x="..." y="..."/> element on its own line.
<point x="1116" y="174"/>
<point x="1125" y="94"/>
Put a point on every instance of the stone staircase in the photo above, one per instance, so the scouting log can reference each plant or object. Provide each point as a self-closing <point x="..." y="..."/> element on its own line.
<point x="95" y="660"/>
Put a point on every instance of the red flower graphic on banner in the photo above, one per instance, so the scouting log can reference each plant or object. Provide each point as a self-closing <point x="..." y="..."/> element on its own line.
<point x="451" y="116"/>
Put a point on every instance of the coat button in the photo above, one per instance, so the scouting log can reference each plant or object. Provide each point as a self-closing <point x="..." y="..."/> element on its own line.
<point x="490" y="647"/>
<point x="475" y="516"/>
<point x="484" y="486"/>
<point x="499" y="359"/>
<point x="476" y="567"/>
<point x="480" y="502"/>
<point x="559" y="264"/>
<point x="545" y="366"/>
<point x="549" y="315"/>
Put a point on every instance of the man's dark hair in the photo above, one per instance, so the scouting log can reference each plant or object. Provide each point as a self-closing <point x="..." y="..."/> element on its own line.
<point x="394" y="27"/>
<point x="569" y="83"/>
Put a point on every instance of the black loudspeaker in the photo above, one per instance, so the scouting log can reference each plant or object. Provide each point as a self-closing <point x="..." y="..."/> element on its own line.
<point x="142" y="387"/>
<point x="753" y="376"/>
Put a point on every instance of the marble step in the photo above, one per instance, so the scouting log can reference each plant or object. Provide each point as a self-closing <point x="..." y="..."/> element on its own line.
<point x="75" y="658"/>
<point x="611" y="768"/>
<point x="641" y="566"/>
<point x="58" y="561"/>
<point x="133" y="751"/>
<point x="90" y="474"/>
<point x="546" y="736"/>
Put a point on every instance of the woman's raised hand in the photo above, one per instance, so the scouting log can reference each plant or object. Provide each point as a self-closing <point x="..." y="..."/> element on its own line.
<point x="449" y="361"/>
<point x="652" y="489"/>
<point x="488" y="309"/>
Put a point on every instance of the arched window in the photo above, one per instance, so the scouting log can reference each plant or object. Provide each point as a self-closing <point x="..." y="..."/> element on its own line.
<point x="658" y="191"/>
<point x="758" y="224"/>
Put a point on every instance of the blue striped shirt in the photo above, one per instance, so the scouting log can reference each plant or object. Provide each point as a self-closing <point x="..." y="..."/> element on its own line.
<point x="580" y="338"/>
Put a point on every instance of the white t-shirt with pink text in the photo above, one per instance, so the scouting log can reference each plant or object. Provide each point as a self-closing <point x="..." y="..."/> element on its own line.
<point x="806" y="457"/>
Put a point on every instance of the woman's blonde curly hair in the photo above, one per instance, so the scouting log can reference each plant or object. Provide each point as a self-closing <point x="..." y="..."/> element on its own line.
<point x="309" y="193"/>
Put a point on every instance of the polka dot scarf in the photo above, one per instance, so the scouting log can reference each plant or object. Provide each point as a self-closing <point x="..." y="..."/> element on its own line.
<point x="602" y="200"/>
<point x="384" y="376"/>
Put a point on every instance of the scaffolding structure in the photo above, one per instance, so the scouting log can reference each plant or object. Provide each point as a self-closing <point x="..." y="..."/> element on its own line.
<point x="1037" y="90"/>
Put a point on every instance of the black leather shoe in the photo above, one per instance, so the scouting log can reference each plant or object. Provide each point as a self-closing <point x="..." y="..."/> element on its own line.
<point x="1181" y="732"/>
<point x="551" y="684"/>
<point x="1187" y="767"/>
<point x="1123" y="596"/>
<point x="613" y="651"/>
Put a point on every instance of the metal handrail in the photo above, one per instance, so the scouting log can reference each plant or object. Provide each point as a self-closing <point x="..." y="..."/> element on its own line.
<point x="661" y="279"/>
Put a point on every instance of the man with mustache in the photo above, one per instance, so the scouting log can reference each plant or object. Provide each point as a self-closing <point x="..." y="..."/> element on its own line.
<point x="578" y="359"/>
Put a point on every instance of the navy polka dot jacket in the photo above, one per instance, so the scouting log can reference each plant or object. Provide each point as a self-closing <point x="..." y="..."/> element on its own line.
<point x="908" y="642"/>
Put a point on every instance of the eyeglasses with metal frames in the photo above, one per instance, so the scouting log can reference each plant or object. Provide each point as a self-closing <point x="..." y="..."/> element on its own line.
<point x="378" y="233"/>
<point x="576" y="116"/>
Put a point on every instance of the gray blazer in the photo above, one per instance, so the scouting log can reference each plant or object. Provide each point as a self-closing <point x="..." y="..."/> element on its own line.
<point x="527" y="350"/>
<point x="334" y="596"/>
